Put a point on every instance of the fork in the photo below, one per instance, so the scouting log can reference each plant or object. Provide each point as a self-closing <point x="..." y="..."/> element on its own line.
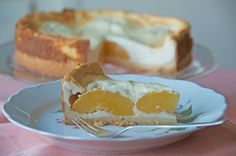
<point x="99" y="132"/>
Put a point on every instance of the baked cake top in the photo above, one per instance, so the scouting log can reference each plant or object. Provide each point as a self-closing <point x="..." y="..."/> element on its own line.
<point x="95" y="25"/>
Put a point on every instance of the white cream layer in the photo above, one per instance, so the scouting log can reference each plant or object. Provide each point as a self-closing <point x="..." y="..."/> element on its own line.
<point x="147" y="56"/>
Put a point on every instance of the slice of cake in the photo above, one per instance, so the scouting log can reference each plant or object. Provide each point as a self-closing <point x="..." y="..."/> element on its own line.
<point x="88" y="93"/>
<point x="53" y="43"/>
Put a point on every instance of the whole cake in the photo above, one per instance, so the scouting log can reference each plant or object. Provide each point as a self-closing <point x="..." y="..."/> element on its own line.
<point x="55" y="42"/>
<point x="89" y="94"/>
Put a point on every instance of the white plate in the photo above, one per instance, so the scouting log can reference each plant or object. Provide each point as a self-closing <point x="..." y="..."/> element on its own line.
<point x="203" y="63"/>
<point x="36" y="109"/>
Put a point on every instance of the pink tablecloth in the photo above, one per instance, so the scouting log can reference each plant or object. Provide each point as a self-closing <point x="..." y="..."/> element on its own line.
<point x="209" y="141"/>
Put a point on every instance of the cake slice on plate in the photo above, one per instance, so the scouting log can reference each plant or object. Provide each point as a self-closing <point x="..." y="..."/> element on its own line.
<point x="88" y="93"/>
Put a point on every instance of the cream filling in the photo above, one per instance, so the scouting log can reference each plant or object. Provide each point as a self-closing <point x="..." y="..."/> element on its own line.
<point x="147" y="56"/>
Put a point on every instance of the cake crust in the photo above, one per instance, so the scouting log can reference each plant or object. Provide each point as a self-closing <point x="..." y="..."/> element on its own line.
<point x="51" y="68"/>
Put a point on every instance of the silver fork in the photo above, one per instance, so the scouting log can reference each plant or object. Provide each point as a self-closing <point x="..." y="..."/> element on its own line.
<point x="104" y="133"/>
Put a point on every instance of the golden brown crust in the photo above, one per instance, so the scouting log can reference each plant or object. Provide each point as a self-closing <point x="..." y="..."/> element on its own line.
<point x="85" y="74"/>
<point x="32" y="21"/>
<point x="50" y="48"/>
<point x="184" y="56"/>
<point x="47" y="67"/>
<point x="44" y="54"/>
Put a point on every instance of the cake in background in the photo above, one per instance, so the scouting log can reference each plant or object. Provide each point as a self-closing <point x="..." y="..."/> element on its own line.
<point x="53" y="43"/>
